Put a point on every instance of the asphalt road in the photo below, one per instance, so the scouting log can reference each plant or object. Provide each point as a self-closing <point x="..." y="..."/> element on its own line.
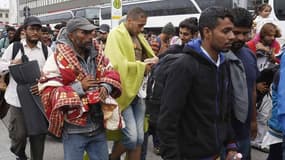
<point x="54" y="149"/>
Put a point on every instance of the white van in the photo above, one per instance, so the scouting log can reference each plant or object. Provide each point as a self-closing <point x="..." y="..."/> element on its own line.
<point x="278" y="13"/>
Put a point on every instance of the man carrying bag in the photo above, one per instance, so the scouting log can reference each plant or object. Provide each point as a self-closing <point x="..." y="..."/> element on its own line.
<point x="27" y="116"/>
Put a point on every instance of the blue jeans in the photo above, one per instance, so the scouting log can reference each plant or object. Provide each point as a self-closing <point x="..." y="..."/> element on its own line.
<point x="155" y="140"/>
<point x="75" y="144"/>
<point x="133" y="133"/>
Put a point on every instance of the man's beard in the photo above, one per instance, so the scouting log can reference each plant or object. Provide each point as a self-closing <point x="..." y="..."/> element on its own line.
<point x="85" y="48"/>
<point x="32" y="41"/>
<point x="218" y="50"/>
<point x="82" y="47"/>
<point x="237" y="45"/>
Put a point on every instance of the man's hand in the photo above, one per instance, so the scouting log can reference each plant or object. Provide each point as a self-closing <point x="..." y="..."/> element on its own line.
<point x="149" y="63"/>
<point x="231" y="155"/>
<point x="147" y="69"/>
<point x="253" y="129"/>
<point x="3" y="86"/>
<point x="35" y="90"/>
<point x="88" y="82"/>
<point x="16" y="61"/>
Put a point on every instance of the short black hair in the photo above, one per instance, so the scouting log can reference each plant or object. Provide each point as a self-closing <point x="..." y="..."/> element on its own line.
<point x="193" y="20"/>
<point x="242" y="17"/>
<point x="210" y="16"/>
<point x="17" y="36"/>
<point x="10" y="28"/>
<point x="191" y="24"/>
<point x="136" y="13"/>
<point x="44" y="29"/>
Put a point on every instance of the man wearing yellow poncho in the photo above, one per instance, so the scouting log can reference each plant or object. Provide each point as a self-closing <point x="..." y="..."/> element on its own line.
<point x="132" y="57"/>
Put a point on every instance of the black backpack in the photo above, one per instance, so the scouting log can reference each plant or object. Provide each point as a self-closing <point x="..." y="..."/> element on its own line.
<point x="156" y="83"/>
<point x="19" y="46"/>
<point x="267" y="76"/>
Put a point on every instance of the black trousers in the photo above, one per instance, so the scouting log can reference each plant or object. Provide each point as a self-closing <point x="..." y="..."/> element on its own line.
<point x="275" y="152"/>
<point x="18" y="136"/>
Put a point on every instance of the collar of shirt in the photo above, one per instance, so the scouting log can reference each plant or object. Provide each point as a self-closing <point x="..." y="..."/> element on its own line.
<point x="211" y="59"/>
<point x="24" y="42"/>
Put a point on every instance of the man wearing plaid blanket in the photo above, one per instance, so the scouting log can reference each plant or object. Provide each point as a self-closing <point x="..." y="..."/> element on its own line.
<point x="77" y="79"/>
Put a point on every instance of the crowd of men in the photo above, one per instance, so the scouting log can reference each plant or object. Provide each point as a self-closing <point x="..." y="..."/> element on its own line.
<point x="214" y="98"/>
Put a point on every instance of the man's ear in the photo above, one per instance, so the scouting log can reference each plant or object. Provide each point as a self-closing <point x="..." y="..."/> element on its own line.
<point x="207" y="32"/>
<point x="71" y="36"/>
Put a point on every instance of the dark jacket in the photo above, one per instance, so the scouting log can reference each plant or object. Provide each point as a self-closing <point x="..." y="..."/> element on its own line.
<point x="173" y="49"/>
<point x="194" y="119"/>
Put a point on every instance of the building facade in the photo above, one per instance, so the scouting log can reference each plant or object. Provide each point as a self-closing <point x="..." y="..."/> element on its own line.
<point x="4" y="16"/>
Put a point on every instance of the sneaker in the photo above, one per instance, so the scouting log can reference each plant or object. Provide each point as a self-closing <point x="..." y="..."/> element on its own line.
<point x="255" y="145"/>
<point x="260" y="148"/>
<point x="156" y="150"/>
<point x="264" y="149"/>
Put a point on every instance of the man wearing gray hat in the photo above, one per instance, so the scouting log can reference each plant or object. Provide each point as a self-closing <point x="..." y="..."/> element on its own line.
<point x="77" y="80"/>
<point x="104" y="30"/>
<point x="101" y="39"/>
<point x="26" y="116"/>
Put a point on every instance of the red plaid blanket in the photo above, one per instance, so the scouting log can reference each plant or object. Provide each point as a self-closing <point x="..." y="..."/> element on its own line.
<point x="60" y="101"/>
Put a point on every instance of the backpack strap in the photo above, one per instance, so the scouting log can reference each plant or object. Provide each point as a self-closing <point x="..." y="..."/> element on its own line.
<point x="3" y="45"/>
<point x="45" y="51"/>
<point x="16" y="47"/>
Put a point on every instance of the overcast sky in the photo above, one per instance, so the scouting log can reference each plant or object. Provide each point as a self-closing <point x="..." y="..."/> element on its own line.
<point x="4" y="4"/>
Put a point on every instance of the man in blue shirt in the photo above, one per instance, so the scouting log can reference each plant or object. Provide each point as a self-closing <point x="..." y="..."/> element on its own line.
<point x="244" y="72"/>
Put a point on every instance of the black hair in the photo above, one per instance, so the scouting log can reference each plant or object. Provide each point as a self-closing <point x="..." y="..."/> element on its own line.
<point x="136" y="13"/>
<point x="242" y="17"/>
<point x="17" y="36"/>
<point x="193" y="20"/>
<point x="191" y="24"/>
<point x="210" y="16"/>
<point x="10" y="28"/>
<point x="44" y="29"/>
